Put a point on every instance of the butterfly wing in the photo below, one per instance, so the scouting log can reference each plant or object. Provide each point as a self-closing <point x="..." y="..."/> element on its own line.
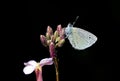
<point x="81" y="39"/>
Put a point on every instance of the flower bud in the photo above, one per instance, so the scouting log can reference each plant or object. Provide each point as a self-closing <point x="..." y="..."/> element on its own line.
<point x="59" y="28"/>
<point x="52" y="38"/>
<point x="60" y="43"/>
<point x="57" y="39"/>
<point x="62" y="33"/>
<point x="49" y="30"/>
<point x="48" y="36"/>
<point x="48" y="42"/>
<point x="55" y="34"/>
<point x="43" y="40"/>
<point x="52" y="49"/>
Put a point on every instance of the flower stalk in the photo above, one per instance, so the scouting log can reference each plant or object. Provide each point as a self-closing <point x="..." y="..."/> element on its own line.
<point x="56" y="68"/>
<point x="53" y="41"/>
<point x="54" y="56"/>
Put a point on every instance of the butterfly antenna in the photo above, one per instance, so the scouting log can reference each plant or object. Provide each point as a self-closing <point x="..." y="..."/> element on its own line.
<point x="75" y="20"/>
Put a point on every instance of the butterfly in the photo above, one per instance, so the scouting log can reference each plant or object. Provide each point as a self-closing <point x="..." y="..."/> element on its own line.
<point x="80" y="39"/>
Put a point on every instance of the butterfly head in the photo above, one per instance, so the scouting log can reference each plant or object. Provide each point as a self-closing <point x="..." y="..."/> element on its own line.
<point x="68" y="29"/>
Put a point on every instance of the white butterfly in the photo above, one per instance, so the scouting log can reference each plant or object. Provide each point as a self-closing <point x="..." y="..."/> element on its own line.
<point x="80" y="39"/>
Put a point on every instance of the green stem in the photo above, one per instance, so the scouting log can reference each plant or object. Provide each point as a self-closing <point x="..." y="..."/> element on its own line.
<point x="56" y="68"/>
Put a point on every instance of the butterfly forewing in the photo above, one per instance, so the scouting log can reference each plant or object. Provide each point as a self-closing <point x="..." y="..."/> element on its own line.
<point x="81" y="39"/>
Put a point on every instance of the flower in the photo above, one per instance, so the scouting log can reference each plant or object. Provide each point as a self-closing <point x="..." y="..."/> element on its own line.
<point x="32" y="65"/>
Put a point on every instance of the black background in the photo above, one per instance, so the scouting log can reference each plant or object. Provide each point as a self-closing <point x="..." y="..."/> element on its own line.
<point x="95" y="63"/>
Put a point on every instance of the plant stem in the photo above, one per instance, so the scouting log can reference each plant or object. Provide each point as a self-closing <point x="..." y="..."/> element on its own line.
<point x="56" y="68"/>
<point x="54" y="56"/>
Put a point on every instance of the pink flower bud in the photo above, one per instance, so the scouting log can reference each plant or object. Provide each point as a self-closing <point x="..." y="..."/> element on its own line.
<point x="52" y="49"/>
<point x="59" y="28"/>
<point x="43" y="40"/>
<point x="49" y="30"/>
<point x="62" y="33"/>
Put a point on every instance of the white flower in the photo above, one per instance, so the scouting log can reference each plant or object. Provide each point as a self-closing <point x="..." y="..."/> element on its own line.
<point x="31" y="65"/>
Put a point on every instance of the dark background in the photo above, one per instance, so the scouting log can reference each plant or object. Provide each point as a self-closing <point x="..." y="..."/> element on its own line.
<point x="95" y="63"/>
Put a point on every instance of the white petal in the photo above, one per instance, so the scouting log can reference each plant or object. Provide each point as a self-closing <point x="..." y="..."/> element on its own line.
<point x="46" y="61"/>
<point x="31" y="62"/>
<point x="28" y="69"/>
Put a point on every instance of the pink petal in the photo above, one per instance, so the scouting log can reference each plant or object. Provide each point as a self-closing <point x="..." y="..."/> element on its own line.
<point x="46" y="61"/>
<point x="28" y="69"/>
